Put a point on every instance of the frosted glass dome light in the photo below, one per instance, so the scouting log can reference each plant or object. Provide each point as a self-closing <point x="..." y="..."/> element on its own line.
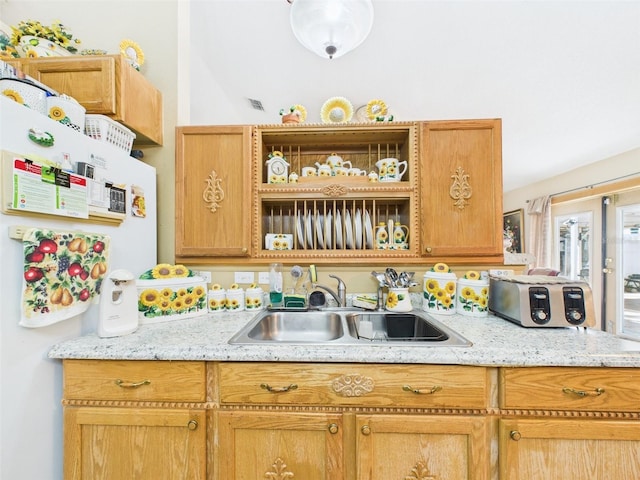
<point x="331" y="28"/>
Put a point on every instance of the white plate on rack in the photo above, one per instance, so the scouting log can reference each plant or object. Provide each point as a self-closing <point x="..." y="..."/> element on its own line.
<point x="358" y="229"/>
<point x="338" y="229"/>
<point x="319" y="230"/>
<point x="299" y="229"/>
<point x="328" y="225"/>
<point x="368" y="230"/>
<point x="348" y="228"/>
<point x="309" y="230"/>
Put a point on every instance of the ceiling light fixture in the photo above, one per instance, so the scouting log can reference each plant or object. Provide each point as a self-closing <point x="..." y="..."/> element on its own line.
<point x="331" y="28"/>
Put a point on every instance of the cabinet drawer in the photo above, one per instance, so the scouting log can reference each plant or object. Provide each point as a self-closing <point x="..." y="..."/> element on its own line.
<point x="561" y="388"/>
<point x="418" y="386"/>
<point x="159" y="381"/>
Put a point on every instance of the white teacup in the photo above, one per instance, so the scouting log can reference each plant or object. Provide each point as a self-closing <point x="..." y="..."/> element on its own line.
<point x="324" y="171"/>
<point x="390" y="169"/>
<point x="356" y="172"/>
<point x="309" y="172"/>
<point x="341" y="171"/>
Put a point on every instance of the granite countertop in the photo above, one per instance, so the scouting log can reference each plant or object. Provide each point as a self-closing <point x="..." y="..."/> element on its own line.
<point x="496" y="342"/>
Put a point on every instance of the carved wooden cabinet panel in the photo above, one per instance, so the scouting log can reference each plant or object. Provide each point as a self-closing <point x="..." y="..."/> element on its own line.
<point x="461" y="189"/>
<point x="213" y="200"/>
<point x="279" y="446"/>
<point x="422" y="447"/>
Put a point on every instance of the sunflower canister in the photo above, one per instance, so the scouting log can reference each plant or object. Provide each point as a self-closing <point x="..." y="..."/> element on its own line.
<point x="473" y="295"/>
<point x="217" y="299"/>
<point x="170" y="292"/>
<point x="439" y="290"/>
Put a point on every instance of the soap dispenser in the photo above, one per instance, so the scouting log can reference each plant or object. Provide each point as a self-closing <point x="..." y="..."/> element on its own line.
<point x="118" y="305"/>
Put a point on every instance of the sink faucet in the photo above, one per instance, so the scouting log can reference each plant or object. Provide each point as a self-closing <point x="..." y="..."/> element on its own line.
<point x="340" y="297"/>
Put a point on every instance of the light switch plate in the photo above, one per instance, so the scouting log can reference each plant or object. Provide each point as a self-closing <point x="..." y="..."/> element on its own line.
<point x="263" y="277"/>
<point x="243" y="277"/>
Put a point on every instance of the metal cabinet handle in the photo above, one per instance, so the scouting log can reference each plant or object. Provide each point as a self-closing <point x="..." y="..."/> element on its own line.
<point x="427" y="250"/>
<point x="582" y="393"/>
<point x="366" y="430"/>
<point x="333" y="428"/>
<point x="515" y="435"/>
<point x="192" y="425"/>
<point x="432" y="390"/>
<point x="271" y="389"/>
<point x="123" y="384"/>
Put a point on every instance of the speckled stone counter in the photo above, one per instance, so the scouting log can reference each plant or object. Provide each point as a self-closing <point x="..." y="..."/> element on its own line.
<point x="496" y="342"/>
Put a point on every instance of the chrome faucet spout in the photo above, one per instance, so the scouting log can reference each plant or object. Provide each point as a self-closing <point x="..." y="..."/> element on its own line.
<point x="340" y="296"/>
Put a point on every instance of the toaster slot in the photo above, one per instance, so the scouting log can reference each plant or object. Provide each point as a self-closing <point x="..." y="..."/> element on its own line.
<point x="574" y="310"/>
<point x="540" y="305"/>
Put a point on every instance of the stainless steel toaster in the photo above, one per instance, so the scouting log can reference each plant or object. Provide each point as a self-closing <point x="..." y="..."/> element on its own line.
<point x="542" y="301"/>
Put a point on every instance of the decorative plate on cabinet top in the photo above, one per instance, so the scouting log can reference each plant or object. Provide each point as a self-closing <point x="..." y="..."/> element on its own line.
<point x="336" y="110"/>
<point x="132" y="52"/>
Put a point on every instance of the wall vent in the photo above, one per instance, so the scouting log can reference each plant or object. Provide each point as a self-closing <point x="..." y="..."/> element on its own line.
<point x="256" y="104"/>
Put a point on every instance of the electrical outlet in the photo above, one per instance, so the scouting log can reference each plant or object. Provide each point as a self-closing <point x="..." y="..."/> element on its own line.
<point x="501" y="273"/>
<point x="263" y="277"/>
<point x="205" y="275"/>
<point x="243" y="277"/>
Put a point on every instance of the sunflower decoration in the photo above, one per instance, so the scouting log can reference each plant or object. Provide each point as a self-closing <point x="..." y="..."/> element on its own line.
<point x="13" y="95"/>
<point x="336" y="110"/>
<point x="132" y="52"/>
<point x="472" y="275"/>
<point x="376" y="108"/>
<point x="56" y="33"/>
<point x="441" y="268"/>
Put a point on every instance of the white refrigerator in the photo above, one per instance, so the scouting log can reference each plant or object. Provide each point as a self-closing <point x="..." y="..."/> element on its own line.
<point x="31" y="383"/>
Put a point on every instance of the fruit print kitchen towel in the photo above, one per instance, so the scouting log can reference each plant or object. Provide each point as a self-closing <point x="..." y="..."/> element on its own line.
<point x="63" y="272"/>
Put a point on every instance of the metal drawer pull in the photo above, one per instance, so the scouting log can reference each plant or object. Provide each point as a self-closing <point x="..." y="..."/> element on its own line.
<point x="333" y="428"/>
<point x="581" y="393"/>
<point x="123" y="384"/>
<point x="409" y="388"/>
<point x="271" y="389"/>
<point x="515" y="435"/>
<point x="366" y="430"/>
<point x="192" y="424"/>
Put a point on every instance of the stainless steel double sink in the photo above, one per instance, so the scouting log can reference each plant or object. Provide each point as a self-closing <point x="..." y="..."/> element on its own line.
<point x="347" y="326"/>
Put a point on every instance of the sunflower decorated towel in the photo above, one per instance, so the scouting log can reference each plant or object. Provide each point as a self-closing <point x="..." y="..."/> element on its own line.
<point x="170" y="292"/>
<point x="63" y="272"/>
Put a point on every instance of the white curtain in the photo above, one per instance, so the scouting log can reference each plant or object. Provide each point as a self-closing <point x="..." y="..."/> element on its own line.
<point x="540" y="230"/>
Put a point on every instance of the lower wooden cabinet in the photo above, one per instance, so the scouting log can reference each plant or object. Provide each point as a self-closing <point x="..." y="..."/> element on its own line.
<point x="277" y="420"/>
<point x="134" y="443"/>
<point x="256" y="445"/>
<point x="422" y="447"/>
<point x="551" y="448"/>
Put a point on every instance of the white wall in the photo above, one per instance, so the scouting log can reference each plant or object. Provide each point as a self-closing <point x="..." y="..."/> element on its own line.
<point x="607" y="169"/>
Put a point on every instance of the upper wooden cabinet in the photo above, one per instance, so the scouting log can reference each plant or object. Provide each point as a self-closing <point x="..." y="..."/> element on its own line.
<point x="213" y="194"/>
<point x="447" y="205"/>
<point x="461" y="190"/>
<point x="105" y="85"/>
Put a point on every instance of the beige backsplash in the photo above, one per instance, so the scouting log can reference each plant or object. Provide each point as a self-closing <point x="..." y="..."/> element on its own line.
<point x="357" y="279"/>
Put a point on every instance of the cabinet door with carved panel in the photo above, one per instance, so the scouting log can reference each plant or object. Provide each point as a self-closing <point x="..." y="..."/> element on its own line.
<point x="422" y="447"/>
<point x="213" y="192"/>
<point x="272" y="445"/>
<point x="461" y="189"/>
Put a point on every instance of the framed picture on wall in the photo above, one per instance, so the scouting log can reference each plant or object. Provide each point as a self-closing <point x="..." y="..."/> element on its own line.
<point x="513" y="231"/>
